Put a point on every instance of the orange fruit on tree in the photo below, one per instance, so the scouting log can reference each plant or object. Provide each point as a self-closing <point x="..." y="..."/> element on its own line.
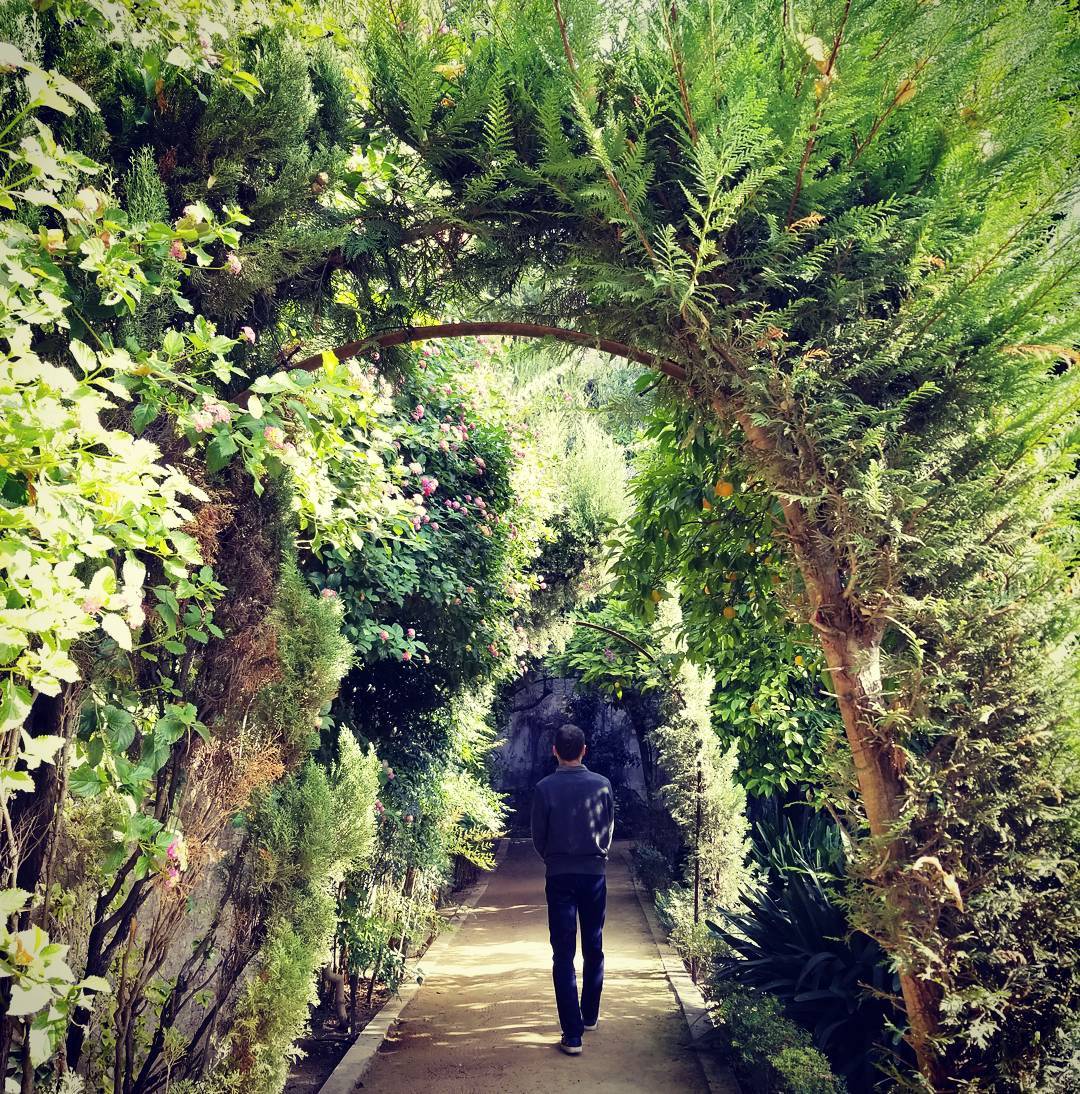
<point x="724" y="489"/>
<point x="705" y="503"/>
<point x="729" y="612"/>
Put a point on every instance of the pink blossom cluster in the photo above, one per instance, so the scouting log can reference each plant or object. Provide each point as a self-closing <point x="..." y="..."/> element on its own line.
<point x="211" y="414"/>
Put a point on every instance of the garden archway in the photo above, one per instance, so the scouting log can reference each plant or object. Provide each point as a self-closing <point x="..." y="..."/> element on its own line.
<point x="852" y="651"/>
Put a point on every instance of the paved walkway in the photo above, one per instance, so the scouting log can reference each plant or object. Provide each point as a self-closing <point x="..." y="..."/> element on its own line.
<point x="484" y="1022"/>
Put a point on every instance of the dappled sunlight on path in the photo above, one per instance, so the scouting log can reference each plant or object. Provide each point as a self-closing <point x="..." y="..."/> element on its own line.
<point x="485" y="1020"/>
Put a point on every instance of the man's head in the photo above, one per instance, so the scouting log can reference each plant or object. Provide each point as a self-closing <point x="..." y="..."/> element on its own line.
<point x="569" y="745"/>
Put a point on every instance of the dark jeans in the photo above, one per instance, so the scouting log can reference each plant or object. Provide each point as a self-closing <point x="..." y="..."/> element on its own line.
<point x="570" y="897"/>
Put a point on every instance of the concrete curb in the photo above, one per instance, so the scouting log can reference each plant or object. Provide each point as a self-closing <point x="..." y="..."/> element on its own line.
<point x="346" y="1077"/>
<point x="721" y="1079"/>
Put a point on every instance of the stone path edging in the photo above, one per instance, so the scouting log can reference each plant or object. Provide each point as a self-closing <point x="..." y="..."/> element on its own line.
<point x="721" y="1079"/>
<point x="344" y="1079"/>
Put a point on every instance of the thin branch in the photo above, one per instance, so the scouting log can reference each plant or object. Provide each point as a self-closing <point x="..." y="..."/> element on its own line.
<point x="612" y="181"/>
<point x="680" y="74"/>
<point x="617" y="634"/>
<point x="812" y="136"/>
<point x="472" y="329"/>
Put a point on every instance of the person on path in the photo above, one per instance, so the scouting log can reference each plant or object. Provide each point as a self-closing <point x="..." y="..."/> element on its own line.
<point x="573" y="820"/>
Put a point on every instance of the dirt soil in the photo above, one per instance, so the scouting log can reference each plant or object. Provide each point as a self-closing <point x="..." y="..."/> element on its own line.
<point x="324" y="1048"/>
<point x="484" y="1021"/>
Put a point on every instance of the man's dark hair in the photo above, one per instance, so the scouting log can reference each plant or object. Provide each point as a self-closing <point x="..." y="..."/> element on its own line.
<point x="569" y="742"/>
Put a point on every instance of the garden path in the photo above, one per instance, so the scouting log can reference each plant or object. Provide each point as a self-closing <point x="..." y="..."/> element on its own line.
<point x="484" y="1021"/>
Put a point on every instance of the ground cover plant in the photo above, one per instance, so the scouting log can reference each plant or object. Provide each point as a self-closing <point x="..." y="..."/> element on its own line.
<point x="271" y="543"/>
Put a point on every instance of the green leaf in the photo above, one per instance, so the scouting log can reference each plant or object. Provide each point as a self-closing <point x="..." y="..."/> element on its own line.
<point x="143" y="415"/>
<point x="12" y="901"/>
<point x="115" y="627"/>
<point x="121" y="727"/>
<point x="14" y="705"/>
<point x="86" y="781"/>
<point x="28" y="998"/>
<point x="16" y="782"/>
<point x="220" y="451"/>
<point x="34" y="751"/>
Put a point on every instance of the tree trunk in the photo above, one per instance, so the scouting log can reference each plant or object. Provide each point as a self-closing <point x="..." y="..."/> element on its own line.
<point x="854" y="665"/>
<point x="853" y="654"/>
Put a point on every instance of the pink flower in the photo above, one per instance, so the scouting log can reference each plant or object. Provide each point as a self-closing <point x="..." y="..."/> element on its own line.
<point x="468" y="497"/>
<point x="427" y="351"/>
<point x="274" y="437"/>
<point x="389" y="772"/>
<point x="328" y="594"/>
<point x="480" y="463"/>
<point x="173" y="850"/>
<point x="233" y="264"/>
<point x="434" y="525"/>
<point x="609" y="654"/>
<point x="444" y="446"/>
<point x="172" y="877"/>
<point x="177" y="250"/>
<point x="408" y="818"/>
<point x="219" y="412"/>
<point x="418" y="413"/>
<point x="92" y="605"/>
<point x="481" y="503"/>
<point x="428" y="486"/>
<point x="383" y="636"/>
<point x="405" y="655"/>
<point x="493" y="650"/>
<point x="248" y="335"/>
<point x="375" y="355"/>
<point x="202" y="421"/>
<point x="447" y="389"/>
<point x="410" y="633"/>
<point x="380" y="808"/>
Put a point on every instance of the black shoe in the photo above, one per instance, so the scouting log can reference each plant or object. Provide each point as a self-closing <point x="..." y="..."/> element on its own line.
<point x="570" y="1047"/>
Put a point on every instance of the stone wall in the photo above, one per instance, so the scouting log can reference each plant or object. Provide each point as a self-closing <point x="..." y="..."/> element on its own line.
<point x="539" y="705"/>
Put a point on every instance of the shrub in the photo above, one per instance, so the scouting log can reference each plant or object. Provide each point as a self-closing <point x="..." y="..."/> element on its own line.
<point x="652" y="867"/>
<point x="313" y="656"/>
<point x="273" y="1010"/>
<point x="770" y="1053"/>
<point x="793" y="941"/>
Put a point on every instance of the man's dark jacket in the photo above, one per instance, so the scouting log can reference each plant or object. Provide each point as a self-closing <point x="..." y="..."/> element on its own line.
<point x="573" y="819"/>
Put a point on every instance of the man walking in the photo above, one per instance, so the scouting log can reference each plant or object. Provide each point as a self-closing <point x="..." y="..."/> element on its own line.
<point x="573" y="819"/>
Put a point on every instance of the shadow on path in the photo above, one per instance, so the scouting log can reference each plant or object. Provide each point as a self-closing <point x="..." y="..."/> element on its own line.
<point x="485" y="1022"/>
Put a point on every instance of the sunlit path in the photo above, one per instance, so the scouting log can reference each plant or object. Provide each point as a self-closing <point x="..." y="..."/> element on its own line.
<point x="485" y="1020"/>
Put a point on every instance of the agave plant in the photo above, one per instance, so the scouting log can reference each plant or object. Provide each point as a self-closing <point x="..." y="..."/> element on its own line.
<point x="793" y="942"/>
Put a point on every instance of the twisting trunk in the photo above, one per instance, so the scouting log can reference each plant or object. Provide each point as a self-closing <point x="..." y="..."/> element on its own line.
<point x="852" y="648"/>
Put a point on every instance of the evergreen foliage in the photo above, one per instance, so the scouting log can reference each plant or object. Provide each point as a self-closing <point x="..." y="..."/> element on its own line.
<point x="853" y="225"/>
